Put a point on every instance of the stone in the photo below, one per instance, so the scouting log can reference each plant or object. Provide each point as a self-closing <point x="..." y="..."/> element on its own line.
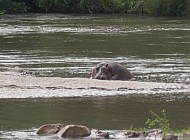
<point x="154" y="134"/>
<point x="132" y="134"/>
<point x="170" y="137"/>
<point x="102" y="134"/>
<point x="74" y="131"/>
<point x="49" y="129"/>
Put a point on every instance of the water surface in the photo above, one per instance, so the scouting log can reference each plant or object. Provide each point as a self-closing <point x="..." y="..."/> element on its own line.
<point x="153" y="49"/>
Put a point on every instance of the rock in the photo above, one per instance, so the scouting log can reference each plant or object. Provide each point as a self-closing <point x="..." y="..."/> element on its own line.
<point x="49" y="129"/>
<point x="143" y="134"/>
<point x="186" y="136"/>
<point x="132" y="134"/>
<point x="73" y="131"/>
<point x="154" y="134"/>
<point x="102" y="134"/>
<point x="170" y="137"/>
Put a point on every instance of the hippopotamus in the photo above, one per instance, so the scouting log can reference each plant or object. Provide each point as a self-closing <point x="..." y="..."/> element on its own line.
<point x="111" y="71"/>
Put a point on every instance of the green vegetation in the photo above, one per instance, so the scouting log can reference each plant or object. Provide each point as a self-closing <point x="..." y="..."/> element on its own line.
<point x="167" y="7"/>
<point x="148" y="7"/>
<point x="2" y="12"/>
<point x="9" y="6"/>
<point x="158" y="124"/>
<point x="159" y="121"/>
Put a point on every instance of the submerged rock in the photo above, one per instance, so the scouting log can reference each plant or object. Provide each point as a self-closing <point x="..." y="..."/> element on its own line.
<point x="100" y="134"/>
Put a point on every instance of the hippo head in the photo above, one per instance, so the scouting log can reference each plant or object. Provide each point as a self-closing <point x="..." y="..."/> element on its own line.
<point x="101" y="71"/>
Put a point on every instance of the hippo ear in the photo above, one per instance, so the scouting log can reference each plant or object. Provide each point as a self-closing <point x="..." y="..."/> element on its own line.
<point x="107" y="65"/>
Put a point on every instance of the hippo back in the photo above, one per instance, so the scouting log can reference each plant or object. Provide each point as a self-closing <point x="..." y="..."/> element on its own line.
<point x="121" y="71"/>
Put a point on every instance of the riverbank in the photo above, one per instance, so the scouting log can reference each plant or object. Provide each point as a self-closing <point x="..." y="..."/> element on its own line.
<point x="15" y="85"/>
<point x="139" y="7"/>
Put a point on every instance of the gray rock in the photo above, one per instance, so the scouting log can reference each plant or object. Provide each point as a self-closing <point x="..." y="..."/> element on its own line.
<point x="102" y="134"/>
<point x="132" y="134"/>
<point x="49" y="129"/>
<point x="154" y="134"/>
<point x="170" y="137"/>
<point x="74" y="131"/>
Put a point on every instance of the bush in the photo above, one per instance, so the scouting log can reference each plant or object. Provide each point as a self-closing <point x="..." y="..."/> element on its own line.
<point x="90" y="6"/>
<point x="166" y="7"/>
<point x="150" y="7"/>
<point x="8" y="6"/>
<point x="160" y="121"/>
<point x="177" y="8"/>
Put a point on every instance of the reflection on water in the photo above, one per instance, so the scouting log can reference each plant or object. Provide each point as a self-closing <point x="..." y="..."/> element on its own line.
<point x="42" y="111"/>
<point x="113" y="113"/>
<point x="154" y="49"/>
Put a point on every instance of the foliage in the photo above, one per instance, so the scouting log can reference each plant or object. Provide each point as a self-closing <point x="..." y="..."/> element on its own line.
<point x="167" y="7"/>
<point x="126" y="6"/>
<point x="89" y="6"/>
<point x="160" y="121"/>
<point x="150" y="7"/>
<point x="170" y="8"/>
<point x="9" y="6"/>
<point x="2" y="12"/>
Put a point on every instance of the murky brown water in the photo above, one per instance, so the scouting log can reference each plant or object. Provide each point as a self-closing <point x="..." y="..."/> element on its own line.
<point x="154" y="49"/>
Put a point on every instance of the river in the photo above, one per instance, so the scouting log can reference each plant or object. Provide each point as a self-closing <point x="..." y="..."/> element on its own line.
<point x="58" y="45"/>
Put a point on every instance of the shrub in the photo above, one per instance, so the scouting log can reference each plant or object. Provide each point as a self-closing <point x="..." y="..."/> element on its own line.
<point x="150" y="7"/>
<point x="8" y="6"/>
<point x="160" y="121"/>
<point x="169" y="7"/>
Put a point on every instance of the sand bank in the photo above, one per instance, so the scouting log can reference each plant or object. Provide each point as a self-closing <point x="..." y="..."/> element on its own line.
<point x="13" y="85"/>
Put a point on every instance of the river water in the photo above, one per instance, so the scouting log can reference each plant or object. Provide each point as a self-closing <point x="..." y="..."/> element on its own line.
<point x="56" y="45"/>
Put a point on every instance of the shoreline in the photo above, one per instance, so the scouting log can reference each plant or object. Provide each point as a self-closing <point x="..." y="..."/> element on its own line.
<point x="14" y="85"/>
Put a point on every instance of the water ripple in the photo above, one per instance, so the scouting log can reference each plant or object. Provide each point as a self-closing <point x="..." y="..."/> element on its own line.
<point x="51" y="24"/>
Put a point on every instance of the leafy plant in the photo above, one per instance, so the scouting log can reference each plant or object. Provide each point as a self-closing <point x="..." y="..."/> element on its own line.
<point x="160" y="121"/>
